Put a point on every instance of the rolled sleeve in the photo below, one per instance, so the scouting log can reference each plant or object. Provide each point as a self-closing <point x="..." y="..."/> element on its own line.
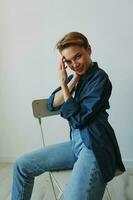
<point x="69" y="108"/>
<point x="50" y="101"/>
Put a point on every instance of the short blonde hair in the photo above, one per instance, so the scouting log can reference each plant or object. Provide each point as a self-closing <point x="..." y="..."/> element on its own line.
<point x="72" y="38"/>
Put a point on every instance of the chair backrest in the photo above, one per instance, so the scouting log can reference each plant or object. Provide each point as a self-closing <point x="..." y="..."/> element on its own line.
<point x="40" y="109"/>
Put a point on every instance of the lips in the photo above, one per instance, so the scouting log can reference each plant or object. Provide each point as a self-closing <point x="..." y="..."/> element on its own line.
<point x="79" y="70"/>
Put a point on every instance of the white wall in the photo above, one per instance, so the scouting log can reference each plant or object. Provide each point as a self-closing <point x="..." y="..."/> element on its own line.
<point x="29" y="62"/>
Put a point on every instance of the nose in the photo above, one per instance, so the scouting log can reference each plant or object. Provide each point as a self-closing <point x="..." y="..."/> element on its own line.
<point x="74" y="64"/>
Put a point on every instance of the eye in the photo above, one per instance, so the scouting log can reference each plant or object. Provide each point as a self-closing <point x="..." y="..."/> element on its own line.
<point x="78" y="56"/>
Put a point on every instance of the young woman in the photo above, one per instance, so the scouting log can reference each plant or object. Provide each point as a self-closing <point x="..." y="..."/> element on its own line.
<point x="92" y="152"/>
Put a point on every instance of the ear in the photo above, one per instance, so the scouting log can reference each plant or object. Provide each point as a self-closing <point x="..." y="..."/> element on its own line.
<point x="89" y="50"/>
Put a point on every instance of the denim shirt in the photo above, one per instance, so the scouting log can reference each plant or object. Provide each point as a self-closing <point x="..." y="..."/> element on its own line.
<point x="87" y="111"/>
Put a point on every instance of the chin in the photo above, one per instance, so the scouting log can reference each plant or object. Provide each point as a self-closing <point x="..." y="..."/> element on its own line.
<point x="81" y="73"/>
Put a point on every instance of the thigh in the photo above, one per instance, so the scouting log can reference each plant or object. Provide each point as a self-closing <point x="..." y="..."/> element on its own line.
<point x="86" y="181"/>
<point x="51" y="158"/>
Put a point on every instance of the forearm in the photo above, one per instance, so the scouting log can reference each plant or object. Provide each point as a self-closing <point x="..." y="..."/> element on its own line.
<point x="65" y="91"/>
<point x="59" y="96"/>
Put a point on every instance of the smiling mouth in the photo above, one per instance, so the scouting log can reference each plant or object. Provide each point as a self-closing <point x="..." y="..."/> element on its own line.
<point x="80" y="69"/>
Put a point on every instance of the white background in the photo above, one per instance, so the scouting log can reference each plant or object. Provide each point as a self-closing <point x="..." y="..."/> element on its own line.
<point x="28" y="66"/>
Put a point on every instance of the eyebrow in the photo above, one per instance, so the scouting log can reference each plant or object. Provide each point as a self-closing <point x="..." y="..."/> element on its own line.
<point x="73" y="57"/>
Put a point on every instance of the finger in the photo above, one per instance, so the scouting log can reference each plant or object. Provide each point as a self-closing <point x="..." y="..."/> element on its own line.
<point x="61" y="64"/>
<point x="63" y="59"/>
<point x="64" y="62"/>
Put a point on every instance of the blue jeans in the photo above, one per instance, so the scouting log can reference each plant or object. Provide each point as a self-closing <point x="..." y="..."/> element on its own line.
<point x="86" y="181"/>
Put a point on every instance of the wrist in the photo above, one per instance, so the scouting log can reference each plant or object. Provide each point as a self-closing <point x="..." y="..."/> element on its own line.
<point x="63" y="84"/>
<point x="66" y="92"/>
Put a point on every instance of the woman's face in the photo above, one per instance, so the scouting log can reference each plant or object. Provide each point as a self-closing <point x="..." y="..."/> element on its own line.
<point x="77" y="58"/>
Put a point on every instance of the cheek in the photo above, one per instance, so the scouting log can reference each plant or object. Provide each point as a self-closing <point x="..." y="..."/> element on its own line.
<point x="83" y="61"/>
<point x="86" y="60"/>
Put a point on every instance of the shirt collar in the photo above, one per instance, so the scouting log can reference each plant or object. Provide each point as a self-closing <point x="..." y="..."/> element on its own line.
<point x="90" y="71"/>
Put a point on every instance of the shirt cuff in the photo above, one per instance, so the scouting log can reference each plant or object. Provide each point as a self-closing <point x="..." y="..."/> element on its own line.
<point x="50" y="104"/>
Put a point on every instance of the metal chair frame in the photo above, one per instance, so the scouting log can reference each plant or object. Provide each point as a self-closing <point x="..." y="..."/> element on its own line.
<point x="40" y="111"/>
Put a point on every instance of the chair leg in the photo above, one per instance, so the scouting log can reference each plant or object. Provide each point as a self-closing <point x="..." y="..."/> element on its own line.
<point x="59" y="196"/>
<point x="52" y="186"/>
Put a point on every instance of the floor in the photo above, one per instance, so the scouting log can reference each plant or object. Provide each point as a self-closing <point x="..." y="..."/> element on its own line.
<point x="42" y="187"/>
<point x="120" y="188"/>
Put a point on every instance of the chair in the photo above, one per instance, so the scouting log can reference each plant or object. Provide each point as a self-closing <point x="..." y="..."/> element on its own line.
<point x="58" y="179"/>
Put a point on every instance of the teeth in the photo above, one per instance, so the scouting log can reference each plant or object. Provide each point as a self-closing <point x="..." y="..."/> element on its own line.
<point x="79" y="69"/>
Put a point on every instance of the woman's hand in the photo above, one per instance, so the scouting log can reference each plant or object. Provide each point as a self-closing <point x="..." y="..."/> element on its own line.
<point x="63" y="79"/>
<point x="62" y="72"/>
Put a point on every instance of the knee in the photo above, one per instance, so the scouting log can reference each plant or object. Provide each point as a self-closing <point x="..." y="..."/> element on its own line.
<point x="21" y="165"/>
